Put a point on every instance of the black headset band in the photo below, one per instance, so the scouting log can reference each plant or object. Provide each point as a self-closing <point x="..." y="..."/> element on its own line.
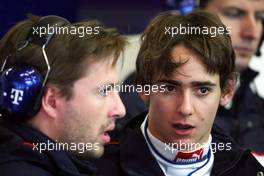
<point x="50" y="21"/>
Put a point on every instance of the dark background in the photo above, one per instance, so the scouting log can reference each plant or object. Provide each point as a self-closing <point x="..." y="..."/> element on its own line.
<point x="128" y="16"/>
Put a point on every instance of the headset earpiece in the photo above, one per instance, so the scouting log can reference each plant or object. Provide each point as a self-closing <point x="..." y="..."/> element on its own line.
<point x="21" y="87"/>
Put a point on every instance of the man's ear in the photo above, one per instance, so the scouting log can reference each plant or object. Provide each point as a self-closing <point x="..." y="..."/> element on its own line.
<point x="228" y="92"/>
<point x="50" y="101"/>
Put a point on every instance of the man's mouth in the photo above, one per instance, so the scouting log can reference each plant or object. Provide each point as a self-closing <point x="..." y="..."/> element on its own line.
<point x="244" y="51"/>
<point x="183" y="129"/>
<point x="105" y="135"/>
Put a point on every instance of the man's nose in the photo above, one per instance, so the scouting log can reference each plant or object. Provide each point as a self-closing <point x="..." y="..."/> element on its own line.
<point x="185" y="106"/>
<point x="250" y="28"/>
<point x="118" y="109"/>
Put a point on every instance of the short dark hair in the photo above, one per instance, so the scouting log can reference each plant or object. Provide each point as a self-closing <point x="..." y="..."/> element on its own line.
<point x="66" y="52"/>
<point x="154" y="57"/>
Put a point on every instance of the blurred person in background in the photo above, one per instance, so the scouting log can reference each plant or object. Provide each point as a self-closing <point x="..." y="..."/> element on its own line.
<point x="243" y="118"/>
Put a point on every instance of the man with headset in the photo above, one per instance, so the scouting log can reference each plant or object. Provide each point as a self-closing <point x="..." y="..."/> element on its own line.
<point x="194" y="73"/>
<point x="56" y="103"/>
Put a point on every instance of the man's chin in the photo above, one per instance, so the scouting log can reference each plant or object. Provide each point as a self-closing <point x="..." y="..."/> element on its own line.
<point x="242" y="64"/>
<point x="241" y="68"/>
<point x="98" y="153"/>
<point x="94" y="153"/>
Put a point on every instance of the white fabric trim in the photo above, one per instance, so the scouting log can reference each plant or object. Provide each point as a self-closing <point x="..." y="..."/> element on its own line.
<point x="170" y="169"/>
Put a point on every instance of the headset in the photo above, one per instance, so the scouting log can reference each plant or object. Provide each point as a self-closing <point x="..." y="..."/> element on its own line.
<point x="22" y="86"/>
<point x="187" y="6"/>
<point x="184" y="6"/>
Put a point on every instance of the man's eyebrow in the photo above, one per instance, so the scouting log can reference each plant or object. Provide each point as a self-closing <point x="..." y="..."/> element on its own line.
<point x="193" y="83"/>
<point x="240" y="10"/>
<point x="203" y="83"/>
<point x="260" y="12"/>
<point x="170" y="81"/>
<point x="108" y="85"/>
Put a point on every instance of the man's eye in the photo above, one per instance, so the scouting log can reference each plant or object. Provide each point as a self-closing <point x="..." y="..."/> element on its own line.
<point x="204" y="91"/>
<point x="104" y="90"/>
<point x="260" y="16"/>
<point x="170" y="88"/>
<point x="233" y="13"/>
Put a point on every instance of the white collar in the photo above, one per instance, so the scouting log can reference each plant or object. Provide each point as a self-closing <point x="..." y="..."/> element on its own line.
<point x="165" y="157"/>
